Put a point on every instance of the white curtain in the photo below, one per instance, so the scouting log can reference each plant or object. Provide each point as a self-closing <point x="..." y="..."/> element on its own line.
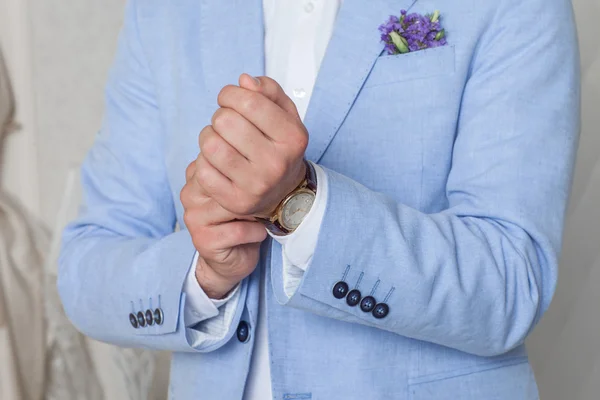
<point x="42" y="356"/>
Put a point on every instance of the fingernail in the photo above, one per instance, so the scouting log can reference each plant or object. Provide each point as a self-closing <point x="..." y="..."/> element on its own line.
<point x="256" y="80"/>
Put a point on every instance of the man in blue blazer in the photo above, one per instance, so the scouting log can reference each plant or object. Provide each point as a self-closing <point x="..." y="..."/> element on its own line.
<point x="415" y="205"/>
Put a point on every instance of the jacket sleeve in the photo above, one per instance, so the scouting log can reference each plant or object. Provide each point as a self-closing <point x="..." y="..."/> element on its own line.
<point x="478" y="275"/>
<point x="121" y="256"/>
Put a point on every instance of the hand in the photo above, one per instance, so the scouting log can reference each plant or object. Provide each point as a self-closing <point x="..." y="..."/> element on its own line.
<point x="228" y="244"/>
<point x="252" y="154"/>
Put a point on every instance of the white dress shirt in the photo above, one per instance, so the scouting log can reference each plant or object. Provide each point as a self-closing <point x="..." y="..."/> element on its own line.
<point x="296" y="38"/>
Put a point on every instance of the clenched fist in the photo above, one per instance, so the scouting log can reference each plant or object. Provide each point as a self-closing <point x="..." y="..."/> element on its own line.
<point x="228" y="244"/>
<point x="252" y="154"/>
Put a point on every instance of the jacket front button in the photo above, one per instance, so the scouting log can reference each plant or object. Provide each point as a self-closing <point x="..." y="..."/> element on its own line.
<point x="141" y="319"/>
<point x="340" y="290"/>
<point x="381" y="311"/>
<point x="149" y="318"/>
<point x="133" y="320"/>
<point x="353" y="297"/>
<point x="243" y="332"/>
<point x="368" y="304"/>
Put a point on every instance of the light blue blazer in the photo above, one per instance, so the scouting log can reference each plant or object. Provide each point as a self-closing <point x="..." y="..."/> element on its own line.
<point x="449" y="173"/>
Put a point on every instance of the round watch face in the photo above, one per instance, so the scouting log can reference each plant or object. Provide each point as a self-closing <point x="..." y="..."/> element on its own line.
<point x="296" y="209"/>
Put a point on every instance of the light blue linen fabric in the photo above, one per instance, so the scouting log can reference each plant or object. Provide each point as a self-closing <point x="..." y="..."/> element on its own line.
<point x="449" y="171"/>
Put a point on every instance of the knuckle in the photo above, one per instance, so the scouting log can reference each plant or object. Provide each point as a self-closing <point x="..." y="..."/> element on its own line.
<point x="272" y="83"/>
<point x="250" y="102"/>
<point x="301" y="141"/>
<point x="188" y="219"/>
<point x="261" y="188"/>
<point x="189" y="171"/>
<point x="243" y="205"/>
<point x="203" y="177"/>
<point x="184" y="195"/>
<point x="298" y="141"/>
<point x="222" y="119"/>
<point x="225" y="92"/>
<point x="211" y="144"/>
<point x="276" y="167"/>
<point x="203" y="134"/>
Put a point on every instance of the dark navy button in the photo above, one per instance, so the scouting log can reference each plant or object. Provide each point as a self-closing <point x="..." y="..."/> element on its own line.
<point x="381" y="310"/>
<point x="353" y="297"/>
<point x="158" y="316"/>
<point x="340" y="290"/>
<point x="368" y="304"/>
<point x="133" y="320"/>
<point x="149" y="318"/>
<point x="141" y="319"/>
<point x="243" y="332"/>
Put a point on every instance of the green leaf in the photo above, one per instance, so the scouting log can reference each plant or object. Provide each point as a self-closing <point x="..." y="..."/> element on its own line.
<point x="435" y="16"/>
<point x="400" y="42"/>
<point x="440" y="34"/>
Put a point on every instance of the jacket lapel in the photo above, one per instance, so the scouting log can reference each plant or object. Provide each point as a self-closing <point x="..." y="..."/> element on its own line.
<point x="351" y="54"/>
<point x="232" y="41"/>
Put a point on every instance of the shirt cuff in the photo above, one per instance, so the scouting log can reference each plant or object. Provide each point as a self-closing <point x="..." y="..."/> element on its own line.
<point x="199" y="306"/>
<point x="299" y="247"/>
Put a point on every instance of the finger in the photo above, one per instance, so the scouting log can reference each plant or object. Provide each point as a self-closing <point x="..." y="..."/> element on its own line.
<point x="211" y="181"/>
<point x="189" y="171"/>
<point x="272" y="120"/>
<point x="270" y="89"/>
<point x="205" y="212"/>
<point x="237" y="233"/>
<point x="224" y="157"/>
<point x="240" y="133"/>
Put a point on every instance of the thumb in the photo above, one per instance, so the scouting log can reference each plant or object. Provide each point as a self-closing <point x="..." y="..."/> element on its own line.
<point x="271" y="90"/>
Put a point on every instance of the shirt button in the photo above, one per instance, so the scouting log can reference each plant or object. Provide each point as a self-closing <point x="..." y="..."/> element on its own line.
<point x="309" y="7"/>
<point x="299" y="93"/>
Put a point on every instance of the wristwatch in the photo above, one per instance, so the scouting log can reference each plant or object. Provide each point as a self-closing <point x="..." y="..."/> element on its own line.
<point x="292" y="210"/>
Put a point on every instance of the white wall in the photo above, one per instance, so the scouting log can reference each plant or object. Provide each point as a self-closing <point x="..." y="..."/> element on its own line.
<point x="20" y="172"/>
<point x="50" y="42"/>
<point x="565" y="347"/>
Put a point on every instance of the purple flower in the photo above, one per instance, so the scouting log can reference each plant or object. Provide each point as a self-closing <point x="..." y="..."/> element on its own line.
<point x="412" y="32"/>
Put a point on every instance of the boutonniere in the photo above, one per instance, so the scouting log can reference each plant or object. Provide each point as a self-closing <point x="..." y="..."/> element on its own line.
<point x="412" y="32"/>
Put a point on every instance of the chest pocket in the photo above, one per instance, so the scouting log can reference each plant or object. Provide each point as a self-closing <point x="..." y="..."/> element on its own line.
<point x="412" y="66"/>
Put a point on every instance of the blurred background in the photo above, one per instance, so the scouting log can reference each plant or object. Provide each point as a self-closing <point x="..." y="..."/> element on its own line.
<point x="58" y="78"/>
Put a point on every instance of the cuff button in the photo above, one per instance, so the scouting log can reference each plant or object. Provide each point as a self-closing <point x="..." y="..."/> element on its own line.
<point x="367" y="304"/>
<point x="149" y="318"/>
<point x="159" y="316"/>
<point x="340" y="290"/>
<point x="141" y="319"/>
<point x="381" y="311"/>
<point x="353" y="297"/>
<point x="133" y="320"/>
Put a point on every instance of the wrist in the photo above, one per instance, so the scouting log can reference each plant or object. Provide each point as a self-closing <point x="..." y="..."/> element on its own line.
<point x="215" y="286"/>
